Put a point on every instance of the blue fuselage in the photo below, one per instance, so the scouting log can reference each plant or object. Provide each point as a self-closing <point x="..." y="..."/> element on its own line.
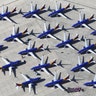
<point x="78" y="67"/>
<point x="32" y="80"/>
<point x="94" y="32"/>
<point x="11" y="64"/>
<point x="53" y="83"/>
<point x="56" y="12"/>
<point x="30" y="13"/>
<point x="63" y="43"/>
<point x="26" y="51"/>
<point x="86" y="49"/>
<point x="90" y="83"/>
<point x="18" y="35"/>
<point x="5" y="14"/>
<point x="41" y="66"/>
<point x="44" y="34"/>
<point x="79" y="23"/>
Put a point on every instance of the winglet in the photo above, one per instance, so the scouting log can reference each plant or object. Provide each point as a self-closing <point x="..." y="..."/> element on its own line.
<point x="67" y="6"/>
<point x="13" y="10"/>
<point x="42" y="7"/>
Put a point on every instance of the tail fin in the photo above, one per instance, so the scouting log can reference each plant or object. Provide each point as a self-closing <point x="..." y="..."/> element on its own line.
<point x="13" y="10"/>
<point x="76" y="37"/>
<point x="91" y="17"/>
<point x="67" y="6"/>
<point x="26" y="30"/>
<point x="17" y="84"/>
<point x="42" y="7"/>
<point x="56" y="27"/>
<point x="40" y="47"/>
<point x="67" y="77"/>
<point x="53" y="62"/>
<point x="91" y="59"/>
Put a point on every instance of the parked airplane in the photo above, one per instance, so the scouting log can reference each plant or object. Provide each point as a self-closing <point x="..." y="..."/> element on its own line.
<point x="93" y="33"/>
<point x="48" y="31"/>
<point x="31" y="50"/>
<point x="34" y="12"/>
<point x="6" y="15"/>
<point x="11" y="65"/>
<point x="91" y="83"/>
<point x="83" y="22"/>
<point x="59" y="11"/>
<point x="44" y="66"/>
<point x="30" y="83"/>
<point x="68" y="42"/>
<point x="16" y="35"/>
<point x="58" y="81"/>
<point x="87" y="48"/>
<point x="2" y="47"/>
<point x="83" y="65"/>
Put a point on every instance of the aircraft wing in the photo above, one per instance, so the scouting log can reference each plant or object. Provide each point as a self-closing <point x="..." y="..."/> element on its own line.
<point x="59" y="86"/>
<point x="70" y="46"/>
<point x="5" y="60"/>
<point x="18" y="40"/>
<point x="51" y="36"/>
<point x="45" y="28"/>
<point x="32" y="54"/>
<point x="83" y="68"/>
<point x="92" y="51"/>
<point x="94" y="81"/>
<point x="29" y="85"/>
<point x="86" y="26"/>
<point x="25" y="77"/>
<point x="6" y="18"/>
<point x="45" y="70"/>
<point x="62" y="15"/>
<point x="10" y="70"/>
<point x="94" y="78"/>
<point x="35" y="15"/>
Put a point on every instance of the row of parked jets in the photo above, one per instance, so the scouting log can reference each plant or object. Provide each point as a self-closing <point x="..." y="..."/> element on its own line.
<point x="31" y="50"/>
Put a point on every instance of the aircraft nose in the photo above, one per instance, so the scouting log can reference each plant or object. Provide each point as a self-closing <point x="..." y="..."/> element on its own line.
<point x="86" y="84"/>
<point x="46" y="85"/>
<point x="93" y="33"/>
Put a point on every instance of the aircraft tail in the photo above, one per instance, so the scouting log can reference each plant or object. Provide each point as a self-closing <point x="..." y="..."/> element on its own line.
<point x="67" y="6"/>
<point x="67" y="78"/>
<point x="77" y="36"/>
<point x="17" y="84"/>
<point x="40" y="47"/>
<point x="74" y="79"/>
<point x="42" y="7"/>
<point x="91" y="17"/>
<point x="91" y="59"/>
<point x="53" y="62"/>
<point x="26" y="30"/>
<point x="56" y="27"/>
<point x="13" y="10"/>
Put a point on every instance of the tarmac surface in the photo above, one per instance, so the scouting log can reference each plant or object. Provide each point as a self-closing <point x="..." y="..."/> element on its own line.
<point x="66" y="55"/>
